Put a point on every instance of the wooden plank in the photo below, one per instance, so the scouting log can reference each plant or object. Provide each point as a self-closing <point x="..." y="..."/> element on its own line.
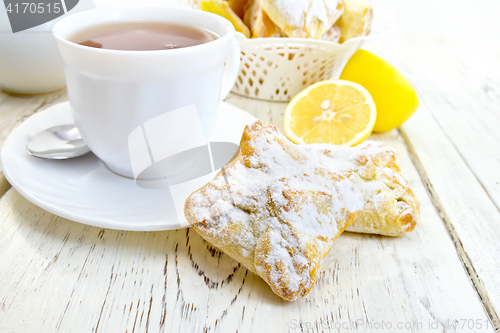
<point x="4" y="184"/>
<point x="272" y="113"/>
<point x="13" y="111"/>
<point x="471" y="217"/>
<point x="453" y="140"/>
<point x="465" y="98"/>
<point x="70" y="275"/>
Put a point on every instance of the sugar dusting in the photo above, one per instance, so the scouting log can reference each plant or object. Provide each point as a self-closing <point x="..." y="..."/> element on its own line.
<point x="296" y="12"/>
<point x="371" y="167"/>
<point x="284" y="193"/>
<point x="283" y="205"/>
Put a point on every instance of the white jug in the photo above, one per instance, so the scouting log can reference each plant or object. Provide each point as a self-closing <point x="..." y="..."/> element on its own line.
<point x="29" y="60"/>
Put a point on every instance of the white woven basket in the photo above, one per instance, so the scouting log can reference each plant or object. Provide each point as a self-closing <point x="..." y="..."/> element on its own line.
<point x="277" y="69"/>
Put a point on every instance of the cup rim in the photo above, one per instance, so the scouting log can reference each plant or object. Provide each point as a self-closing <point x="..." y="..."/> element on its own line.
<point x="200" y="47"/>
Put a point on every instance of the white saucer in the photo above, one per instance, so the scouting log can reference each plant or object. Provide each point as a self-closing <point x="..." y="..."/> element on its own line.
<point x="83" y="189"/>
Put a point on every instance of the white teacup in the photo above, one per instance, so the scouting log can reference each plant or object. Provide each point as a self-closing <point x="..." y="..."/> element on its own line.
<point x="113" y="93"/>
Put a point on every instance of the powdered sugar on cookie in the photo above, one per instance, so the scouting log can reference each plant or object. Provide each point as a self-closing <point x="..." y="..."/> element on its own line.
<point x="278" y="207"/>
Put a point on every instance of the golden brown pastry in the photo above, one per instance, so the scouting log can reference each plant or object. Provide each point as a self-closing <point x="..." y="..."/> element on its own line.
<point x="332" y="35"/>
<point x="278" y="207"/>
<point x="259" y="22"/>
<point x="330" y="20"/>
<point x="222" y="8"/>
<point x="238" y="7"/>
<point x="356" y="20"/>
<point x="304" y="18"/>
<point x="275" y="209"/>
<point x="391" y="208"/>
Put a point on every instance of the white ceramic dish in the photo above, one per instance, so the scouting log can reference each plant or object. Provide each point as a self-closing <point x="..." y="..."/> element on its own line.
<point x="83" y="189"/>
<point x="125" y="89"/>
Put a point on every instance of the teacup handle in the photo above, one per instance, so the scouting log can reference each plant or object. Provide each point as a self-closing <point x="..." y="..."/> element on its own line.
<point x="232" y="67"/>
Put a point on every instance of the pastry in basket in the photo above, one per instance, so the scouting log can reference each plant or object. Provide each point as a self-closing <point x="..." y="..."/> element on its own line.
<point x="304" y="18"/>
<point x="238" y="7"/>
<point x="331" y="20"/>
<point x="332" y="35"/>
<point x="391" y="208"/>
<point x="223" y="9"/>
<point x="275" y="210"/>
<point x="278" y="207"/>
<point x="356" y="19"/>
<point x="259" y="22"/>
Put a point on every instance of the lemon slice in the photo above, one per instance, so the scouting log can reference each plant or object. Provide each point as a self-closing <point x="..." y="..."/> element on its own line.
<point x="221" y="8"/>
<point x="332" y="111"/>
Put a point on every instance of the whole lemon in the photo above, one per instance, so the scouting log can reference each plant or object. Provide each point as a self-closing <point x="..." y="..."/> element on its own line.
<point x="394" y="96"/>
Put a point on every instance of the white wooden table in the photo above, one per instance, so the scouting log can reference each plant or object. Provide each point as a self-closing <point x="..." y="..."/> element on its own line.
<point x="60" y="276"/>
